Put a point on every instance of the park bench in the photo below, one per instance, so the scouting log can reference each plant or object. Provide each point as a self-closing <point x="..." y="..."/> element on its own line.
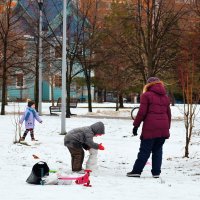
<point x="58" y="107"/>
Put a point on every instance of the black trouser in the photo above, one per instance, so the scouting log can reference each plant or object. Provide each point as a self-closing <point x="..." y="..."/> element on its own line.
<point x="77" y="157"/>
<point x="26" y="132"/>
<point x="147" y="147"/>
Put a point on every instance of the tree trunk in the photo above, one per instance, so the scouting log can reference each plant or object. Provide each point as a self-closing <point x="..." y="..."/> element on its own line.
<point x="117" y="103"/>
<point x="172" y="99"/>
<point x="89" y="97"/>
<point x="104" y="95"/>
<point x="6" y="99"/>
<point x="99" y="96"/>
<point x="121" y="105"/>
<point x="187" y="127"/>
<point x="187" y="148"/>
<point x="88" y="82"/>
<point x="68" y="112"/>
<point x="4" y="83"/>
<point x="37" y="80"/>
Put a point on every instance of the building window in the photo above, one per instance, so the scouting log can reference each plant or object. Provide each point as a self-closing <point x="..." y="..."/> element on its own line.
<point x="58" y="81"/>
<point x="20" y="80"/>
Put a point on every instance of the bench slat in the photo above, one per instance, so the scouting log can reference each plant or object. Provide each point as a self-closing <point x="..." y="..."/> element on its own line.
<point x="57" y="108"/>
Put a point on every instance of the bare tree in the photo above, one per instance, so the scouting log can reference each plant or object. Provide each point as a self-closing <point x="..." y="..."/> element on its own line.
<point x="118" y="72"/>
<point x="90" y="42"/>
<point x="157" y="36"/>
<point x="189" y="81"/>
<point x="33" y="32"/>
<point x="73" y="43"/>
<point x="16" y="123"/>
<point x="50" y="62"/>
<point x="143" y="36"/>
<point x="152" y="43"/>
<point x="77" y="32"/>
<point x="12" y="46"/>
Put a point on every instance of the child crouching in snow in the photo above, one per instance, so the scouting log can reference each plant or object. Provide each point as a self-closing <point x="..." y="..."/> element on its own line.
<point x="29" y="116"/>
<point x="82" y="138"/>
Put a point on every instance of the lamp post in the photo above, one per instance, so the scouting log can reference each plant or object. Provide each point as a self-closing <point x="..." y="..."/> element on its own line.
<point x="64" y="66"/>
<point x="40" y="4"/>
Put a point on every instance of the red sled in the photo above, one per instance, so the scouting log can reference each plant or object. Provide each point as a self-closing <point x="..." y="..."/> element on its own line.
<point x="80" y="180"/>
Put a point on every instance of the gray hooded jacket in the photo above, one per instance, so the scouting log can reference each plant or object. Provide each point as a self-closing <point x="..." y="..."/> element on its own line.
<point x="84" y="135"/>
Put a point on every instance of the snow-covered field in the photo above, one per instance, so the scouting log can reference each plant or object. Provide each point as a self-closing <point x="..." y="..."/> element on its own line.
<point x="180" y="178"/>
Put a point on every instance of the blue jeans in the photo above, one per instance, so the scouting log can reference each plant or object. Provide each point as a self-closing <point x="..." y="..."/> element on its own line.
<point x="147" y="147"/>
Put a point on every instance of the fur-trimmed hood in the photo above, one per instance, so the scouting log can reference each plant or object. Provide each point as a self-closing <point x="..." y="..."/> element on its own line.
<point x="156" y="86"/>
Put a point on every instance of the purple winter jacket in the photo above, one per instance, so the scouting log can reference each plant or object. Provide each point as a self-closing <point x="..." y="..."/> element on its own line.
<point x="154" y="111"/>
<point x="30" y="121"/>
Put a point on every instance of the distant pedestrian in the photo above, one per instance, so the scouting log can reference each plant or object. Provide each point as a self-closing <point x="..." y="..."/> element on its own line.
<point x="29" y="117"/>
<point x="82" y="138"/>
<point x="155" y="114"/>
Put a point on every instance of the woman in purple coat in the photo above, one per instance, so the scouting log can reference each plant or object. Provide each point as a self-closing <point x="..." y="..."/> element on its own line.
<point x="155" y="114"/>
<point x="29" y="116"/>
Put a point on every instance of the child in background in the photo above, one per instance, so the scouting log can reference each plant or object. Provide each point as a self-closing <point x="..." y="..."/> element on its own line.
<point x="82" y="138"/>
<point x="29" y="116"/>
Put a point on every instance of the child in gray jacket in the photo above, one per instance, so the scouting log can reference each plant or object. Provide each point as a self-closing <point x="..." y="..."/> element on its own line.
<point x="79" y="138"/>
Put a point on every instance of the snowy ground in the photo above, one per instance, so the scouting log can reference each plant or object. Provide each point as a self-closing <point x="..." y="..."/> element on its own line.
<point x="180" y="176"/>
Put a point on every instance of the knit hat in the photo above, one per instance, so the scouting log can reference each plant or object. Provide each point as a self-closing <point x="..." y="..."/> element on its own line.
<point x="30" y="103"/>
<point x="152" y="79"/>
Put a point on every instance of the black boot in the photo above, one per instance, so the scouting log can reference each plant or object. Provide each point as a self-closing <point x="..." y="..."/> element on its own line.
<point x="132" y="174"/>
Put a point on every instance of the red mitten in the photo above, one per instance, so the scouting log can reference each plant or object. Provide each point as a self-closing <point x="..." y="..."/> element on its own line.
<point x="101" y="147"/>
